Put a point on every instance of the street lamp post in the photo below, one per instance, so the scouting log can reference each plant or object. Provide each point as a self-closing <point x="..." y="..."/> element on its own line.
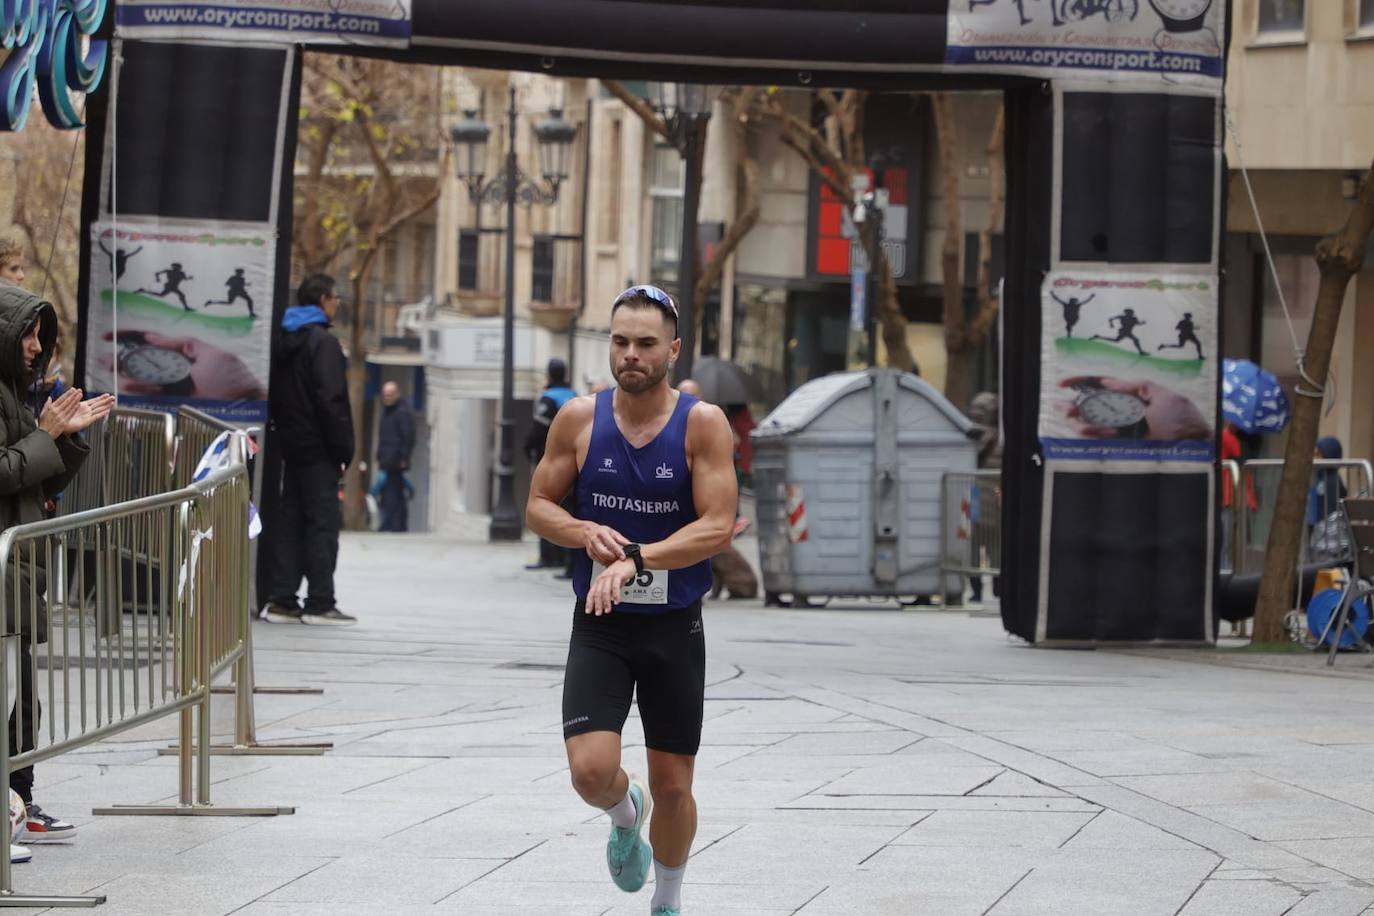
<point x="510" y="186"/>
<point x="685" y="109"/>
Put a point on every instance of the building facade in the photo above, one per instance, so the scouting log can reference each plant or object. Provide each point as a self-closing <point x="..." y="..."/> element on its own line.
<point x="1301" y="121"/>
<point x="781" y="310"/>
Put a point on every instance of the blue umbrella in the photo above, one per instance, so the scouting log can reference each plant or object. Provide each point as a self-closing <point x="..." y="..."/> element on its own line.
<point x="1252" y="398"/>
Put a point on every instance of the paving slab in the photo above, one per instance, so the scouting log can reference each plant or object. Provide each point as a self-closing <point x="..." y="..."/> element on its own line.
<point x="855" y="762"/>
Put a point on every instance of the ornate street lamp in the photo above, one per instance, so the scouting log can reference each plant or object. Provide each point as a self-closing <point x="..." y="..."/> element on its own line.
<point x="511" y="186"/>
<point x="685" y="109"/>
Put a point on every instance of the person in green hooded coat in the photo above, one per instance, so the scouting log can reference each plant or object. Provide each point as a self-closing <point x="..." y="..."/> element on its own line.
<point x="40" y="453"/>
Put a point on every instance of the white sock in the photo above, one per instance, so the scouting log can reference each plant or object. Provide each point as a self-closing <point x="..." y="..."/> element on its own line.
<point x="623" y="813"/>
<point x="667" y="885"/>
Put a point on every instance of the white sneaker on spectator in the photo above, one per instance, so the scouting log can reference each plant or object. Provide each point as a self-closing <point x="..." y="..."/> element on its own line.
<point x="41" y="826"/>
<point x="19" y="854"/>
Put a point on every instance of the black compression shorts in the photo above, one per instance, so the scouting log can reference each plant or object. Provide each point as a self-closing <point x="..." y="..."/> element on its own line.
<point x="663" y="655"/>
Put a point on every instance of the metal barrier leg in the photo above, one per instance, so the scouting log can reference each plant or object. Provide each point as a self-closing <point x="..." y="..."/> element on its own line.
<point x="201" y="807"/>
<point x="1338" y="623"/>
<point x="8" y="897"/>
<point x="246" y="742"/>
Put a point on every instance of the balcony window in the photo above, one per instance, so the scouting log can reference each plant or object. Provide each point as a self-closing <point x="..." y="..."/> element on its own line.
<point x="542" y="269"/>
<point x="665" y="190"/>
<point x="1282" y="15"/>
<point x="467" y="259"/>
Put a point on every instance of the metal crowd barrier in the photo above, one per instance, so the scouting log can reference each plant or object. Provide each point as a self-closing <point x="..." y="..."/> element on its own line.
<point x="179" y="560"/>
<point x="196" y="431"/>
<point x="971" y="525"/>
<point x="132" y="455"/>
<point x="1261" y="478"/>
<point x="1230" y="521"/>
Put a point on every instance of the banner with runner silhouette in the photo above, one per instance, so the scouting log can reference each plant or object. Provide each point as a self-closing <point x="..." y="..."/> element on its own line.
<point x="316" y="22"/>
<point x="182" y="315"/>
<point x="1129" y="366"/>
<point x="1160" y="41"/>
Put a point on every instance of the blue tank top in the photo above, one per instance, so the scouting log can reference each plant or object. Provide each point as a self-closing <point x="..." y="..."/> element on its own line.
<point x="646" y="495"/>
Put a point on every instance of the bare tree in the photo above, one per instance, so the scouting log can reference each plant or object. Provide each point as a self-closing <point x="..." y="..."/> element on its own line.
<point x="1339" y="257"/>
<point x="47" y="213"/>
<point x="963" y="337"/>
<point x="834" y="149"/>
<point x="370" y="135"/>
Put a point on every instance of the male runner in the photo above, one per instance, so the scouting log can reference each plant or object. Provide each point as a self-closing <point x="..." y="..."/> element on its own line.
<point x="656" y="499"/>
<point x="238" y="289"/>
<point x="1187" y="334"/>
<point x="1125" y="323"/>
<point x="171" y="280"/>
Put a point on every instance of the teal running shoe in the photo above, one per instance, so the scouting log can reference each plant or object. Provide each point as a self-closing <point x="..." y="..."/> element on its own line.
<point x="666" y="911"/>
<point x="628" y="856"/>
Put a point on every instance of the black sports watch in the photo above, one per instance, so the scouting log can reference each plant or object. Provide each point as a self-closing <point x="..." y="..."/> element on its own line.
<point x="632" y="552"/>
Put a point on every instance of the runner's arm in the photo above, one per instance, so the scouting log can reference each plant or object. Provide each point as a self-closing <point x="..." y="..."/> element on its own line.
<point x="556" y="475"/>
<point x="715" y="491"/>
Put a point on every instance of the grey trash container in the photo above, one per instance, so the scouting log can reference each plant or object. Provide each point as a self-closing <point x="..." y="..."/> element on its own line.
<point x="847" y="474"/>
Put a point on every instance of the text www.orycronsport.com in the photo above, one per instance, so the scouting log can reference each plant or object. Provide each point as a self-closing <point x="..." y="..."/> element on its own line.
<point x="1106" y="60"/>
<point x="261" y="19"/>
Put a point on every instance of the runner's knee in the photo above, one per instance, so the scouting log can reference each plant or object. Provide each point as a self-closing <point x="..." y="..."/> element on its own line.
<point x="592" y="775"/>
<point x="671" y="794"/>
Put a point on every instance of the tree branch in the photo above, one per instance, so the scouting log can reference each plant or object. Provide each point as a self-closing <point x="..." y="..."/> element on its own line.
<point x="640" y="107"/>
<point x="988" y="305"/>
<point x="1339" y="258"/>
<point x="748" y="214"/>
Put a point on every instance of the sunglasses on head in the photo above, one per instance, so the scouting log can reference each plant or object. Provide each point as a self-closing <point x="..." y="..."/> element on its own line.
<point x="664" y="300"/>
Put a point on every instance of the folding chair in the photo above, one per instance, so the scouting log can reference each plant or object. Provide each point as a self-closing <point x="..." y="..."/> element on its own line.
<point x="1358" y="515"/>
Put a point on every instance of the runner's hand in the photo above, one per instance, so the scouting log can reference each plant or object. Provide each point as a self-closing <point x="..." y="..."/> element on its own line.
<point x="604" y="544"/>
<point x="605" y="591"/>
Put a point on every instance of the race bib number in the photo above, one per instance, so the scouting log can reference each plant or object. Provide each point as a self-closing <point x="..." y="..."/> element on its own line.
<point x="647" y="587"/>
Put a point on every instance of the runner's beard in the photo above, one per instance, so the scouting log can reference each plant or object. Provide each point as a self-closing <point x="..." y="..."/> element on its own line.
<point x="645" y="378"/>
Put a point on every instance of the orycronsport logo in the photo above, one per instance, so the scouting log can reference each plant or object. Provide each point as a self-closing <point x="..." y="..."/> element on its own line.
<point x="1086" y="59"/>
<point x="314" y="22"/>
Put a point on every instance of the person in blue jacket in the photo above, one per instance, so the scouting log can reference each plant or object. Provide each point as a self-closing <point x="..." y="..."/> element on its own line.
<point x="556" y="394"/>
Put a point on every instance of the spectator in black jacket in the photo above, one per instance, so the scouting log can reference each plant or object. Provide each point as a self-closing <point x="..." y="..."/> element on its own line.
<point x="314" y="425"/>
<point x="395" y="442"/>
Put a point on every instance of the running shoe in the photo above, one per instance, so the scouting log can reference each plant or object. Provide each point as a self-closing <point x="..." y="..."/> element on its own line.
<point x="628" y="855"/>
<point x="332" y="618"/>
<point x="19" y="854"/>
<point x="41" y="826"/>
<point x="275" y="613"/>
<point x="666" y="911"/>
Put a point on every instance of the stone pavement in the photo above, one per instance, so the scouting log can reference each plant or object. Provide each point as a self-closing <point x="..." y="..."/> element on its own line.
<point x="872" y="762"/>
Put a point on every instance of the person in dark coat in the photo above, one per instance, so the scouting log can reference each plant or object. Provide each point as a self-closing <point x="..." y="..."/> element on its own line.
<point x="395" y="442"/>
<point x="1327" y="490"/>
<point x="38" y="459"/>
<point x="314" y="425"/>
<point x="556" y="394"/>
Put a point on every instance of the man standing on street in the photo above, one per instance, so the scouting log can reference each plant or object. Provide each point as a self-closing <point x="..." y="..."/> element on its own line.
<point x="556" y="394"/>
<point x="314" y="424"/>
<point x="656" y="499"/>
<point x="395" y="442"/>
